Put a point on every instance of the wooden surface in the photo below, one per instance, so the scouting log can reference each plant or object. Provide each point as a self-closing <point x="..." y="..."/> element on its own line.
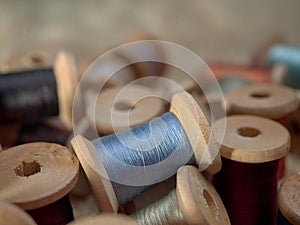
<point x="289" y="198"/>
<point x="198" y="200"/>
<point x="11" y="214"/>
<point x="37" y="174"/>
<point x="252" y="139"/>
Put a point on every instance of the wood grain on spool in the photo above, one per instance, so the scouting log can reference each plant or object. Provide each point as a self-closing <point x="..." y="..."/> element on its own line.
<point x="11" y="214"/>
<point x="66" y="79"/>
<point x="198" y="201"/>
<point x="267" y="100"/>
<point x="250" y="139"/>
<point x="197" y="129"/>
<point x="289" y="199"/>
<point x="37" y="174"/>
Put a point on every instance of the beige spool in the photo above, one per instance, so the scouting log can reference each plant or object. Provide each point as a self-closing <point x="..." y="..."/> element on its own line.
<point x="105" y="219"/>
<point x="106" y="72"/>
<point x="28" y="59"/>
<point x="198" y="202"/>
<point x="267" y="100"/>
<point x="144" y="50"/>
<point x="120" y="108"/>
<point x="252" y="139"/>
<point x="12" y="214"/>
<point x="289" y="199"/>
<point x="197" y="130"/>
<point x="37" y="174"/>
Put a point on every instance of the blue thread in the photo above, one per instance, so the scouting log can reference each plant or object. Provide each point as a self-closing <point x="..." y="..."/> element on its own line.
<point x="162" y="140"/>
<point x="290" y="57"/>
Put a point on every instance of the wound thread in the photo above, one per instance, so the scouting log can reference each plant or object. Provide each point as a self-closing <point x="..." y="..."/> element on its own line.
<point x="56" y="213"/>
<point x="249" y="191"/>
<point x="162" y="212"/>
<point x="28" y="95"/>
<point x="148" y="153"/>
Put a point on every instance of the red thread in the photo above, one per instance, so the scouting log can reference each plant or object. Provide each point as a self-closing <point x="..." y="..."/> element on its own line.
<point x="281" y="169"/>
<point x="56" y="213"/>
<point x="249" y="191"/>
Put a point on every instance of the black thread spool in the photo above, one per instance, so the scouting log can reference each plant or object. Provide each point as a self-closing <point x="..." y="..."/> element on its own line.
<point x="32" y="95"/>
<point x="247" y="182"/>
<point x="289" y="201"/>
<point x="38" y="177"/>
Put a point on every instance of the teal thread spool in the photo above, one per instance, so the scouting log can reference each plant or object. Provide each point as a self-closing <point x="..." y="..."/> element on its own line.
<point x="197" y="130"/>
<point x="289" y="56"/>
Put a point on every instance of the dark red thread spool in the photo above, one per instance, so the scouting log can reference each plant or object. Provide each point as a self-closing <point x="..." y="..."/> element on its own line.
<point x="289" y="201"/>
<point x="247" y="182"/>
<point x="38" y="177"/>
<point x="266" y="100"/>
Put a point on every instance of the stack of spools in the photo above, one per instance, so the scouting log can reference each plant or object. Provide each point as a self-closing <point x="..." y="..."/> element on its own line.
<point x="123" y="163"/>
<point x="159" y="163"/>
<point x="285" y="61"/>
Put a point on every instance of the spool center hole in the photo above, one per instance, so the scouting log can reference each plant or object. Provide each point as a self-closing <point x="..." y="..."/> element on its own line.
<point x="26" y="169"/>
<point x="260" y="95"/>
<point x="124" y="106"/>
<point x="211" y="204"/>
<point x="37" y="59"/>
<point x="248" y="132"/>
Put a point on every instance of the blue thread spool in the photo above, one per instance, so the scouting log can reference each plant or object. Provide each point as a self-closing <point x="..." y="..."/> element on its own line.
<point x="177" y="137"/>
<point x="290" y="57"/>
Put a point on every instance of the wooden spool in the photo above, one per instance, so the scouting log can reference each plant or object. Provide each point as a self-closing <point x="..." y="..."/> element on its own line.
<point x="28" y="59"/>
<point x="37" y="174"/>
<point x="66" y="78"/>
<point x="120" y="108"/>
<point x="289" y="199"/>
<point x="105" y="219"/>
<point x="198" y="200"/>
<point x="105" y="72"/>
<point x="148" y="49"/>
<point x="12" y="214"/>
<point x="250" y="139"/>
<point x="193" y="122"/>
<point x="267" y="100"/>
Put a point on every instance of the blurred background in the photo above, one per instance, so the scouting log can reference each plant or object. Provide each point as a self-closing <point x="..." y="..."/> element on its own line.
<point x="223" y="32"/>
<point x="230" y="31"/>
